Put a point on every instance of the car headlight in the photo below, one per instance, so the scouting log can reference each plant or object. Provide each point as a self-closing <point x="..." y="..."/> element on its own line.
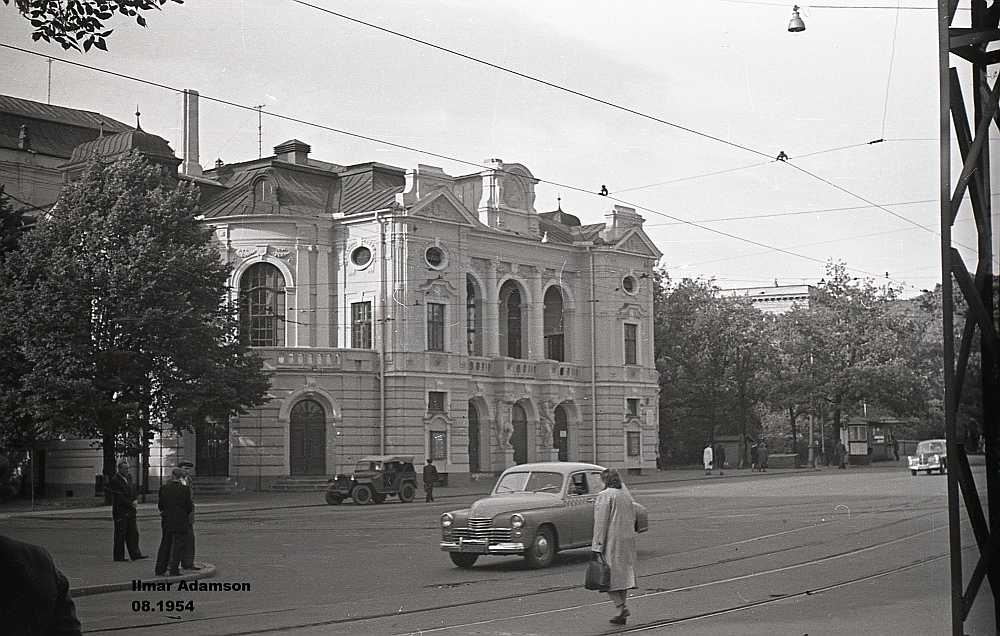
<point x="446" y="520"/>
<point x="516" y="521"/>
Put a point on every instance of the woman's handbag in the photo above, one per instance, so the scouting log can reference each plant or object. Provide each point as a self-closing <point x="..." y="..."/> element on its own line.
<point x="598" y="573"/>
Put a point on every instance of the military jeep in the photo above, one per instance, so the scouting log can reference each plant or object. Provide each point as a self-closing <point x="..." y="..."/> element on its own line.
<point x="375" y="478"/>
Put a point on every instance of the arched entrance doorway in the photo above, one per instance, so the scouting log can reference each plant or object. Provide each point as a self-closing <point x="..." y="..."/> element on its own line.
<point x="560" y="434"/>
<point x="474" y="456"/>
<point x="307" y="439"/>
<point x="519" y="438"/>
<point x="211" y="443"/>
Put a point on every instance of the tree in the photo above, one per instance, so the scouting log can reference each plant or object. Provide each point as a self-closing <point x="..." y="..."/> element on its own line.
<point x="711" y="353"/>
<point x="859" y="347"/>
<point x="76" y="23"/>
<point x="118" y="302"/>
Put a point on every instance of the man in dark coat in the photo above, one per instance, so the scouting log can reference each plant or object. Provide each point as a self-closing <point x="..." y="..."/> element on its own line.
<point x="187" y="559"/>
<point x="123" y="498"/>
<point x="176" y="507"/>
<point x="34" y="594"/>
<point x="430" y="478"/>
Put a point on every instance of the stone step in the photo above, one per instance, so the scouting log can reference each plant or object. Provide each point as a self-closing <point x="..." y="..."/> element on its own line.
<point x="215" y="486"/>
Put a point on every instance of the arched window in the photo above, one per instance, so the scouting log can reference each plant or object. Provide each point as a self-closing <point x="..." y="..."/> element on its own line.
<point x="473" y="317"/>
<point x="262" y="305"/>
<point x="553" y="324"/>
<point x="511" y="319"/>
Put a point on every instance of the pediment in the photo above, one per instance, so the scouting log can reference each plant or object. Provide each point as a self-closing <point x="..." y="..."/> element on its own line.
<point x="636" y="242"/>
<point x="442" y="205"/>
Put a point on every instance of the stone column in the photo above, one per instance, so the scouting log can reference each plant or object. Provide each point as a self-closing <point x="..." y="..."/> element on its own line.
<point x="536" y="317"/>
<point x="303" y="288"/>
<point x="491" y="313"/>
<point x="324" y="298"/>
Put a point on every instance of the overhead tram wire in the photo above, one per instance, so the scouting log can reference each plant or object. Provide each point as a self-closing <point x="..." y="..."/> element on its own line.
<point x="478" y="166"/>
<point x="599" y="100"/>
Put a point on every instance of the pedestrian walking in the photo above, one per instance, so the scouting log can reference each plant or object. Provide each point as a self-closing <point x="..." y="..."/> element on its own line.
<point x="187" y="559"/>
<point x="176" y="506"/>
<point x="841" y="455"/>
<point x="719" y="457"/>
<point x="706" y="458"/>
<point x="34" y="594"/>
<point x="762" y="455"/>
<point x="430" y="478"/>
<point x="614" y="538"/>
<point x="123" y="510"/>
<point x="754" y="458"/>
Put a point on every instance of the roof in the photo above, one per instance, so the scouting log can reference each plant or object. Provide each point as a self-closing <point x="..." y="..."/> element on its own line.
<point x="555" y="467"/>
<point x="121" y="143"/>
<point x="52" y="130"/>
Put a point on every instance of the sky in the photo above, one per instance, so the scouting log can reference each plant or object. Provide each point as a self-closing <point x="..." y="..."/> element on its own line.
<point x="732" y="88"/>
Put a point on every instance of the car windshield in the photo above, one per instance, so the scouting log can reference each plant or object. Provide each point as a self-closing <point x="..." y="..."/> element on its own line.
<point x="365" y="466"/>
<point x="930" y="447"/>
<point x="529" y="482"/>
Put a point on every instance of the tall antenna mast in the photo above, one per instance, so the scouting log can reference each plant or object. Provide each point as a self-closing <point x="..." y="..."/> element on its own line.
<point x="260" y="142"/>
<point x="48" y="98"/>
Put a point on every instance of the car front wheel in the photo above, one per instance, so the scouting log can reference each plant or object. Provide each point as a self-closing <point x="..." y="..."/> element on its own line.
<point x="407" y="492"/>
<point x="333" y="498"/>
<point x="362" y="494"/>
<point x="542" y="550"/>
<point x="463" y="560"/>
<point x="913" y="472"/>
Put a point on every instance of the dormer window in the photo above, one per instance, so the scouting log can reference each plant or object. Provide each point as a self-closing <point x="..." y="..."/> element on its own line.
<point x="263" y="191"/>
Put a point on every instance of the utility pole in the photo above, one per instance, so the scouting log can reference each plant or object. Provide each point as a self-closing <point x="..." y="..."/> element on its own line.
<point x="48" y="98"/>
<point x="973" y="47"/>
<point x="260" y="139"/>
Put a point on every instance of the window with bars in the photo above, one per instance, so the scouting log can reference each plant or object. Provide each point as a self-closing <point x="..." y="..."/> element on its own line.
<point x="435" y="327"/>
<point x="439" y="445"/>
<point x="361" y="325"/>
<point x="262" y="305"/>
<point x="631" y="343"/>
<point x="632" y="443"/>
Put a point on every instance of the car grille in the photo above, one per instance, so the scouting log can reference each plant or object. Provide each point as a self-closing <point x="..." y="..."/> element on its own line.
<point x="481" y="529"/>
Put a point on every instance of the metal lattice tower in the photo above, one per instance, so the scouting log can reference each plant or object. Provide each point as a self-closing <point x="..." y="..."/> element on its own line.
<point x="973" y="48"/>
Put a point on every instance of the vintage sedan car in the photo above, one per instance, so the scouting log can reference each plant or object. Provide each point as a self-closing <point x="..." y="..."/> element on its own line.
<point x="535" y="510"/>
<point x="931" y="455"/>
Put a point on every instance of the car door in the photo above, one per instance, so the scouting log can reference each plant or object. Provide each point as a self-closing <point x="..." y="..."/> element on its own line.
<point x="580" y="508"/>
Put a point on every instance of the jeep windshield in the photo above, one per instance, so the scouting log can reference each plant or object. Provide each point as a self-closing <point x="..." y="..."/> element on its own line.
<point x="364" y="467"/>
<point x="529" y="482"/>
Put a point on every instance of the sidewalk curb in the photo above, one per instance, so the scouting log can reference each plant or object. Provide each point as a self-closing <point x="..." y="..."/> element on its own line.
<point x="207" y="570"/>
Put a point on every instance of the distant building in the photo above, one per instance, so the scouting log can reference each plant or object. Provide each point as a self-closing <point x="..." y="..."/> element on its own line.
<point x="36" y="139"/>
<point x="777" y="299"/>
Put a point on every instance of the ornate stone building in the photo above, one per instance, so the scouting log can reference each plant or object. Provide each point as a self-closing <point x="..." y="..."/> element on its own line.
<point x="415" y="312"/>
<point x="410" y="312"/>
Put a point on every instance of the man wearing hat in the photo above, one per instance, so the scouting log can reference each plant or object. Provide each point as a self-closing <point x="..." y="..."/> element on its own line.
<point x="187" y="559"/>
<point x="175" y="506"/>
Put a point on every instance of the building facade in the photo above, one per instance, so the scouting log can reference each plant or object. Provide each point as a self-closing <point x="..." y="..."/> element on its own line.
<point x="414" y="312"/>
<point x="406" y="312"/>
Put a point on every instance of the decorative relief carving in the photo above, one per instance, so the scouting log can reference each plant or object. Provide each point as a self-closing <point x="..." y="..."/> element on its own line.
<point x="280" y="252"/>
<point x="632" y="311"/>
<point x="246" y="252"/>
<point x="503" y="428"/>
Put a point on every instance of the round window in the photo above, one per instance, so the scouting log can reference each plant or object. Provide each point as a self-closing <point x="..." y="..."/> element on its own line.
<point x="629" y="284"/>
<point x="361" y="256"/>
<point x="435" y="257"/>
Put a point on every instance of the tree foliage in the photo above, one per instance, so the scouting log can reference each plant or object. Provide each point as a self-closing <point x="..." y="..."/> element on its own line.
<point x="80" y="23"/>
<point x="118" y="302"/>
<point x="711" y="352"/>
<point x="855" y="348"/>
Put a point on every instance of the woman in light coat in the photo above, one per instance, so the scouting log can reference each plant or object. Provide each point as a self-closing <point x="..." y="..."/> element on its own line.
<point x="614" y="537"/>
<point x="706" y="458"/>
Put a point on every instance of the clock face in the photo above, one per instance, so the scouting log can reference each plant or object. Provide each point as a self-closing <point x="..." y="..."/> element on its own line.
<point x="513" y="192"/>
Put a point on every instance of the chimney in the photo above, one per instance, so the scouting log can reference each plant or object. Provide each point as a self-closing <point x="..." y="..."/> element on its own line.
<point x="293" y="151"/>
<point x="619" y="221"/>
<point x="190" y="165"/>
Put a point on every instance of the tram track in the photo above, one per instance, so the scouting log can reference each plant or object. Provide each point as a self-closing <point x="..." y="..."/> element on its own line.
<point x="417" y="611"/>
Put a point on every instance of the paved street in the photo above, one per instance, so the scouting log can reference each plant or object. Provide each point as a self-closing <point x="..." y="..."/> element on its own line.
<point x="856" y="551"/>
